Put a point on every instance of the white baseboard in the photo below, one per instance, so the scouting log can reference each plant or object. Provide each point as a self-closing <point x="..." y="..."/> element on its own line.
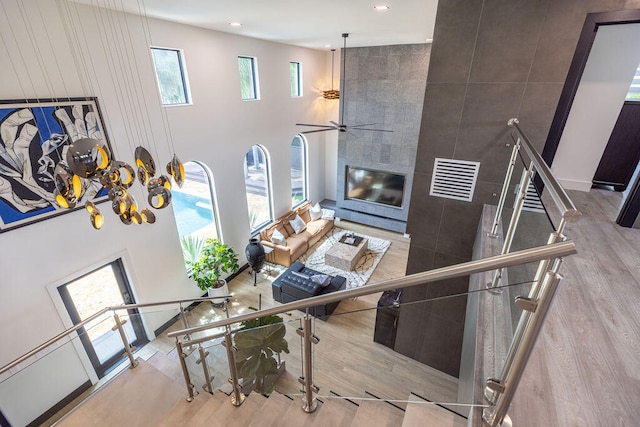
<point x="572" y="184"/>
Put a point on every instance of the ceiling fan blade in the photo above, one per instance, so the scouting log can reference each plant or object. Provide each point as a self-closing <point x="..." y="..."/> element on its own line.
<point x="372" y="130"/>
<point x="318" y="130"/>
<point x="358" y="126"/>
<point x="317" y="126"/>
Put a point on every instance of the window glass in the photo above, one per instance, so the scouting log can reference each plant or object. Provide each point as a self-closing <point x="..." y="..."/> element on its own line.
<point x="85" y="296"/>
<point x="295" y="74"/>
<point x="634" y="90"/>
<point x="298" y="170"/>
<point x="193" y="207"/>
<point x="170" y="73"/>
<point x="248" y="77"/>
<point x="257" y="180"/>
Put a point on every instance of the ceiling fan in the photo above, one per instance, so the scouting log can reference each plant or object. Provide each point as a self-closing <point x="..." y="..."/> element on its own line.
<point x="341" y="127"/>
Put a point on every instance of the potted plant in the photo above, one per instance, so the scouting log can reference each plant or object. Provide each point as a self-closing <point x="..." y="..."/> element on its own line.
<point x="215" y="260"/>
<point x="259" y="343"/>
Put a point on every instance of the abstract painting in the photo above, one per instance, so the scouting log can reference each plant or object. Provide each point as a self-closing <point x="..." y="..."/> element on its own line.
<point x="34" y="136"/>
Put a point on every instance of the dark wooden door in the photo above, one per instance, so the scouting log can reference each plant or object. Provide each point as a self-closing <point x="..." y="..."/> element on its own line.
<point x="622" y="153"/>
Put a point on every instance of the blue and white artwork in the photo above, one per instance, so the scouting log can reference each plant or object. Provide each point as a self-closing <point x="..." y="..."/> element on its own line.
<point x="34" y="137"/>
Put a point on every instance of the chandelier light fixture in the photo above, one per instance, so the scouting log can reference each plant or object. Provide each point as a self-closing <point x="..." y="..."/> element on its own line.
<point x="89" y="160"/>
<point x="331" y="94"/>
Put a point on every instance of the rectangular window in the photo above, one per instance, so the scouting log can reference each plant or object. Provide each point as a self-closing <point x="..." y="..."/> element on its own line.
<point x="295" y="73"/>
<point x="248" y="77"/>
<point x="171" y="76"/>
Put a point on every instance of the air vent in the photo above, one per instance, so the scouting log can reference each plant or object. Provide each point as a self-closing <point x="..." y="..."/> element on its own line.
<point x="532" y="202"/>
<point x="454" y="179"/>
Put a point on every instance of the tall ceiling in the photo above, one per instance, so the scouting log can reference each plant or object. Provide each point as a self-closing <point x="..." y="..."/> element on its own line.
<point x="315" y="24"/>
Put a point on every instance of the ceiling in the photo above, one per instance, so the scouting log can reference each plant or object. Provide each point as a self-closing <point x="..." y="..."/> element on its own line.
<point x="308" y="23"/>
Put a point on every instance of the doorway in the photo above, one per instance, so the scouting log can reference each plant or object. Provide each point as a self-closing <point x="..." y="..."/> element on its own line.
<point x="593" y="22"/>
<point x="88" y="294"/>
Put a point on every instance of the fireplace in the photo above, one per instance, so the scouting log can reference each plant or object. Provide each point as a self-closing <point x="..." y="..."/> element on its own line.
<point x="373" y="194"/>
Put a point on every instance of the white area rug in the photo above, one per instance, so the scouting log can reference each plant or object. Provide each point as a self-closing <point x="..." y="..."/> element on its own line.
<point x="314" y="258"/>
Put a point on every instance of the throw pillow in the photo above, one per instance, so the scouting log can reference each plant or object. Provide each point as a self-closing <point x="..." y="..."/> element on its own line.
<point x="297" y="224"/>
<point x="315" y="212"/>
<point x="323" y="279"/>
<point x="278" y="238"/>
<point x="328" y="214"/>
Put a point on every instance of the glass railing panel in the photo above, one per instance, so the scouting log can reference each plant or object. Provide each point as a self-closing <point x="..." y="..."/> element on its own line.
<point x="216" y="364"/>
<point x="533" y="229"/>
<point x="355" y="359"/>
<point x="52" y="382"/>
<point x="268" y="356"/>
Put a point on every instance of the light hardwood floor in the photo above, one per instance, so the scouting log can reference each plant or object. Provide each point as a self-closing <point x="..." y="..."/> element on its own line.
<point x="585" y="368"/>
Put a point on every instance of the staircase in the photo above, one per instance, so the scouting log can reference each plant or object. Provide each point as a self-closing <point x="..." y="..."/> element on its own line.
<point x="153" y="394"/>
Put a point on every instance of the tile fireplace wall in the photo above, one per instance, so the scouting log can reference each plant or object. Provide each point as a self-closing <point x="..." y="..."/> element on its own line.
<point x="383" y="85"/>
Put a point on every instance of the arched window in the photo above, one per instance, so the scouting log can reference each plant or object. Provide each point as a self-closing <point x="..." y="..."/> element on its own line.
<point x="299" y="176"/>
<point x="257" y="178"/>
<point x="193" y="207"/>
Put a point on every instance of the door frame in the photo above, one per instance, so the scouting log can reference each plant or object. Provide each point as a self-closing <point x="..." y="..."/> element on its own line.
<point x="52" y="289"/>
<point x="578" y="63"/>
<point x="124" y="286"/>
<point x="631" y="206"/>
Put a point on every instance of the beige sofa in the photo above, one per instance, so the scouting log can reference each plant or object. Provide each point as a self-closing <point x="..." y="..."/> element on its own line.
<point x="296" y="244"/>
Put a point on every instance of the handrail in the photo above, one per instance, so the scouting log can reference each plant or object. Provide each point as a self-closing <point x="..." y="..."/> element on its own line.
<point x="93" y="317"/>
<point x="178" y="301"/>
<point x="555" y="250"/>
<point x="559" y="195"/>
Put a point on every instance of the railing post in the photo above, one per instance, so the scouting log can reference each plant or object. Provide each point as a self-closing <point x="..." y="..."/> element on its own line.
<point x="185" y="322"/>
<point x="544" y="267"/>
<point x="507" y="385"/>
<point x="127" y="347"/>
<point x="513" y="225"/>
<point x="505" y="188"/>
<point x="237" y="397"/>
<point x="205" y="368"/>
<point x="185" y="370"/>
<point x="309" y="403"/>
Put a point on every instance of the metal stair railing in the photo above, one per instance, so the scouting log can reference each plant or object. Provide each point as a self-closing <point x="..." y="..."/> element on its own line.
<point x="549" y="257"/>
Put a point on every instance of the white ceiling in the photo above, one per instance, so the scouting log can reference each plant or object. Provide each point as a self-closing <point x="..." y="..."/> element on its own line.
<point x="308" y="23"/>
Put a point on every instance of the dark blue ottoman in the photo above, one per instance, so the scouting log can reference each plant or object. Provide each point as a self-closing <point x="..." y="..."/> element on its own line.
<point x="296" y="284"/>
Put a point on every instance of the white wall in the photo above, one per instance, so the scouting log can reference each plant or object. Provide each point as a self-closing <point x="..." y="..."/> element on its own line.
<point x="605" y="82"/>
<point x="217" y="130"/>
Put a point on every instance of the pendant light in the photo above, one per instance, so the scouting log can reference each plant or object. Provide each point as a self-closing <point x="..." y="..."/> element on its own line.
<point x="331" y="94"/>
<point x="89" y="159"/>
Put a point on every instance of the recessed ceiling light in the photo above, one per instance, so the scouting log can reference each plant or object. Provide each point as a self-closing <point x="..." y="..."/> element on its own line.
<point x="235" y="24"/>
<point x="327" y="45"/>
<point x="429" y="40"/>
<point x="381" y="7"/>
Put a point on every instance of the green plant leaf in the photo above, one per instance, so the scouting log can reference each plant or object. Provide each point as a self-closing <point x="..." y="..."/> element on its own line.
<point x="215" y="260"/>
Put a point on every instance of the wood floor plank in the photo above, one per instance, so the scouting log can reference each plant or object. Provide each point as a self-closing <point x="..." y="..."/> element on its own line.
<point x="585" y="366"/>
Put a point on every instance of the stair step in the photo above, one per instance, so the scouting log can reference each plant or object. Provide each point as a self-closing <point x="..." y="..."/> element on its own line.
<point x="136" y="397"/>
<point x="183" y="410"/>
<point x="372" y="413"/>
<point x="272" y="409"/>
<point x="208" y="413"/>
<point x="168" y="366"/>
<point x="335" y="412"/>
<point x="418" y="414"/>
<point x="295" y="416"/>
<point x="231" y="416"/>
